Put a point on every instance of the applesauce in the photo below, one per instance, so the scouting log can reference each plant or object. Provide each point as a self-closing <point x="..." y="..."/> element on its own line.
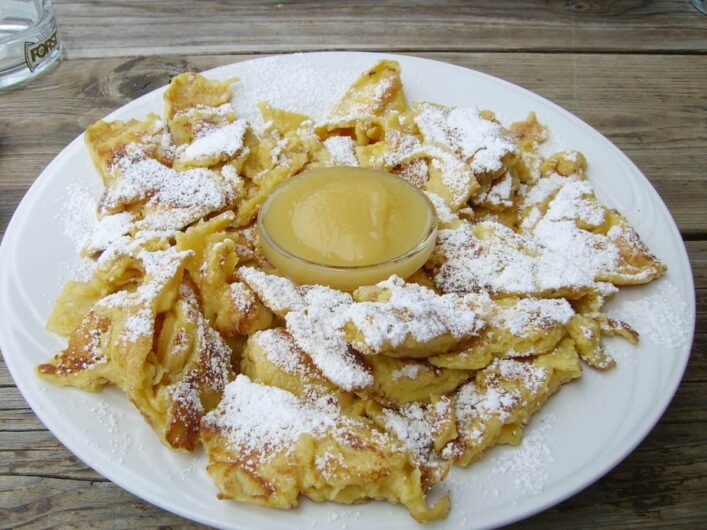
<point x="345" y="227"/>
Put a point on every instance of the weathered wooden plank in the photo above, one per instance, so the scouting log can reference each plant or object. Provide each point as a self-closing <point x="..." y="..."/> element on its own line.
<point x="653" y="107"/>
<point x="39" y="453"/>
<point x="11" y="399"/>
<point x="17" y="420"/>
<point x="44" y="502"/>
<point x="698" y="259"/>
<point x="5" y="379"/>
<point x="15" y="415"/>
<point x="104" y="29"/>
<point x="10" y="197"/>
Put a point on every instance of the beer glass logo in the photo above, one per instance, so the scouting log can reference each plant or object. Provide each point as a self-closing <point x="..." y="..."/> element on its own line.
<point x="35" y="52"/>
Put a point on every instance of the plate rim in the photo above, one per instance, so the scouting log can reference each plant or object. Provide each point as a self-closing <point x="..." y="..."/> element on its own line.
<point x="576" y="483"/>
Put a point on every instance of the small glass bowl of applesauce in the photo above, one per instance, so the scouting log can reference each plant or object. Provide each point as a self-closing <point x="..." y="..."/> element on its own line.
<point x="345" y="227"/>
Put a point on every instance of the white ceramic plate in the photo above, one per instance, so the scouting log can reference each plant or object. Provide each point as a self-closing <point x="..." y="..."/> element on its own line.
<point x="580" y="435"/>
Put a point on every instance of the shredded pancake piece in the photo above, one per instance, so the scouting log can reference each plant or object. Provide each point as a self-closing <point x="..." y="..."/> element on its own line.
<point x="267" y="446"/>
<point x="495" y="407"/>
<point x="406" y="320"/>
<point x="492" y="257"/>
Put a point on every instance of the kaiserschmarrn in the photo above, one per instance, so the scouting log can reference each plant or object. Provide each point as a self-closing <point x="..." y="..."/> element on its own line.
<point x="305" y="390"/>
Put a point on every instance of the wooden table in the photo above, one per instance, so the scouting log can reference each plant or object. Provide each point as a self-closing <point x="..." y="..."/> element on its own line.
<point x="635" y="70"/>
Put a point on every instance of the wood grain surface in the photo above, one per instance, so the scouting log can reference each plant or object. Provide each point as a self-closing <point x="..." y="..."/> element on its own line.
<point x="157" y="27"/>
<point x="635" y="70"/>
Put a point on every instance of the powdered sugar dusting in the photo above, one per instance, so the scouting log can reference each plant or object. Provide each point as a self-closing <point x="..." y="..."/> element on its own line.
<point x="310" y="312"/>
<point x="313" y="331"/>
<point x="594" y="253"/>
<point x="455" y="175"/>
<point x="78" y="214"/>
<point x="496" y="400"/>
<point x="407" y="153"/>
<point x="277" y="293"/>
<point x="527" y="466"/>
<point x="411" y="427"/>
<point x="222" y="142"/>
<point x="543" y="189"/>
<point x="445" y="215"/>
<point x="410" y="311"/>
<point x="174" y="199"/>
<point x="575" y="201"/>
<point x="108" y="230"/>
<point x="139" y="325"/>
<point x="291" y="83"/>
<point x="341" y="151"/>
<point x="472" y="403"/>
<point x="531" y="313"/>
<point x="280" y="350"/>
<point x="501" y="261"/>
<point x="415" y="171"/>
<point x="659" y="317"/>
<point x="213" y="371"/>
<point x="401" y="147"/>
<point x="260" y="420"/>
<point x="415" y="424"/>
<point x="327" y="464"/>
<point x="558" y="229"/>
<point x="160" y="268"/>
<point x="500" y="194"/>
<point x="528" y="374"/>
<point x="409" y="371"/>
<point x="463" y="131"/>
<point x="242" y="297"/>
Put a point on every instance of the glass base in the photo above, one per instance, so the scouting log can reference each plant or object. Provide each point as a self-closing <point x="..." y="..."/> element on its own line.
<point x="701" y="5"/>
<point x="22" y="74"/>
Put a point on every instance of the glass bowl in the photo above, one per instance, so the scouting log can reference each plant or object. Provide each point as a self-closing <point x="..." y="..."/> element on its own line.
<point x="346" y="278"/>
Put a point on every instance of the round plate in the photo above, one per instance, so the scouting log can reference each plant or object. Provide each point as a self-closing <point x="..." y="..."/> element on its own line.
<point x="580" y="435"/>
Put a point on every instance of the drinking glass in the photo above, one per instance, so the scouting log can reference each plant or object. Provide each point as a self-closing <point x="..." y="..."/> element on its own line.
<point x="29" y="40"/>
